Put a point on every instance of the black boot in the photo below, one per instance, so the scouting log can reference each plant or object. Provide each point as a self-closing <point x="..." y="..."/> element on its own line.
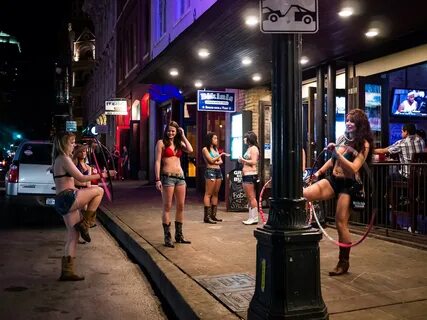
<point x="213" y="215"/>
<point x="168" y="236"/>
<point x="343" y="263"/>
<point x="208" y="214"/>
<point x="179" y="237"/>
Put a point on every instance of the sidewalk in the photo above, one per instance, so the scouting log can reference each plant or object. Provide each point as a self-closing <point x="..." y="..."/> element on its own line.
<point x="213" y="278"/>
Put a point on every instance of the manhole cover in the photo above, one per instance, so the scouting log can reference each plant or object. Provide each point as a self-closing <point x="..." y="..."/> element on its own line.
<point x="234" y="290"/>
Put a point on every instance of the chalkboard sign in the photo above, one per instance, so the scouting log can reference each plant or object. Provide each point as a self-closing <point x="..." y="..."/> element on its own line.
<point x="237" y="200"/>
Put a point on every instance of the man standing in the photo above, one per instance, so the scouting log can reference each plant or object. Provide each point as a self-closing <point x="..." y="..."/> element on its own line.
<point x="405" y="147"/>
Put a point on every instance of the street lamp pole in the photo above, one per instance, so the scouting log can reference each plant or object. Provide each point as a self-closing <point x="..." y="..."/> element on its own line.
<point x="288" y="256"/>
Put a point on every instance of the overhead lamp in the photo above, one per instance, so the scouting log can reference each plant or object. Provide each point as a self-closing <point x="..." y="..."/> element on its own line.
<point x="198" y="84"/>
<point x="203" y="53"/>
<point x="373" y="32"/>
<point x="246" y="61"/>
<point x="251" y="21"/>
<point x="173" y="72"/>
<point x="346" y="12"/>
<point x="256" y="77"/>
<point x="304" y="60"/>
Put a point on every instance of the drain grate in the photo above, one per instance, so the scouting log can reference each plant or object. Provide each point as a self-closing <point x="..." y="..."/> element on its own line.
<point x="234" y="290"/>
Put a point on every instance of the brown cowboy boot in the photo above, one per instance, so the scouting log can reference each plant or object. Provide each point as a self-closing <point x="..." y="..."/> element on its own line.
<point x="67" y="272"/>
<point x="179" y="237"/>
<point x="83" y="226"/>
<point x="213" y="215"/>
<point x="168" y="236"/>
<point x="343" y="263"/>
<point x="208" y="216"/>
<point x="90" y="217"/>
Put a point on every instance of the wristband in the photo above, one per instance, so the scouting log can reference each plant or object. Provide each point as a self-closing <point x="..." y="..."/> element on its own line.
<point x="157" y="180"/>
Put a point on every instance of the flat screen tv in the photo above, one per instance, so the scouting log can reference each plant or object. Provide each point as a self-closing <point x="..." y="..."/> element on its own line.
<point x="409" y="103"/>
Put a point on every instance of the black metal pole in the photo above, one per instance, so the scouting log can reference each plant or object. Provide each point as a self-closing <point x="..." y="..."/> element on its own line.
<point x="331" y="110"/>
<point x="288" y="257"/>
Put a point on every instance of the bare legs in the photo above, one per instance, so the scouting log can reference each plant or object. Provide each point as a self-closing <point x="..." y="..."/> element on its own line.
<point x="250" y="192"/>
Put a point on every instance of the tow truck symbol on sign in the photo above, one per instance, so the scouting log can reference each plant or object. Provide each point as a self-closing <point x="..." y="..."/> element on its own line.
<point x="298" y="16"/>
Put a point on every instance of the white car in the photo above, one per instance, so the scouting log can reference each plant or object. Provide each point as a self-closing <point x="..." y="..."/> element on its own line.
<point x="29" y="181"/>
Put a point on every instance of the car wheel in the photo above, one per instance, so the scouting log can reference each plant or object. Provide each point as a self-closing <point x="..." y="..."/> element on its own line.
<point x="307" y="19"/>
<point x="273" y="17"/>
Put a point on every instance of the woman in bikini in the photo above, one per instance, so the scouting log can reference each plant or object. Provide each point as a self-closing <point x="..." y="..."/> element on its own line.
<point x="170" y="178"/>
<point x="69" y="200"/>
<point x="348" y="156"/>
<point x="213" y="177"/>
<point x="250" y="175"/>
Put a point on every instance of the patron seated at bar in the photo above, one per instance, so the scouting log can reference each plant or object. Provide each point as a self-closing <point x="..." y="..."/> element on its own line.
<point x="405" y="148"/>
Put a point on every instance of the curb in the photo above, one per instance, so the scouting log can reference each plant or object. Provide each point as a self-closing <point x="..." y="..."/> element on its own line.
<point x="185" y="296"/>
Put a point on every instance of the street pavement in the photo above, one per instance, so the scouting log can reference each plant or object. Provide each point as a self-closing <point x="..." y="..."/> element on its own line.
<point x="386" y="280"/>
<point x="114" y="288"/>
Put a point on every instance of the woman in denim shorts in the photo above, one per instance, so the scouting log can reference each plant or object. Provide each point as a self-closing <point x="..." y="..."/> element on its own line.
<point x="170" y="178"/>
<point x="250" y="175"/>
<point x="213" y="177"/>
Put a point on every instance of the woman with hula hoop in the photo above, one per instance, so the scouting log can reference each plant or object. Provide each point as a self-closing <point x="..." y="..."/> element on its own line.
<point x="349" y="154"/>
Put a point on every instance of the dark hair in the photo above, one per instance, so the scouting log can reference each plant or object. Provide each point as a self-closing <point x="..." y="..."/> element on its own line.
<point x="208" y="141"/>
<point x="177" y="140"/>
<point x="421" y="133"/>
<point x="362" y="133"/>
<point x="410" y="128"/>
<point x="251" y="138"/>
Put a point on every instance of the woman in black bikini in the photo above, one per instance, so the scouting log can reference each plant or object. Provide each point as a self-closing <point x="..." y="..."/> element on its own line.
<point x="170" y="178"/>
<point x="69" y="200"/>
<point x="348" y="156"/>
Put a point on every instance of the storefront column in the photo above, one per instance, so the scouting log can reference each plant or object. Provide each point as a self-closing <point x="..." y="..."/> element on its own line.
<point x="331" y="110"/>
<point x="288" y="259"/>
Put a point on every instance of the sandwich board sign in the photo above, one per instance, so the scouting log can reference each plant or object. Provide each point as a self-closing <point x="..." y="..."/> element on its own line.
<point x="289" y="16"/>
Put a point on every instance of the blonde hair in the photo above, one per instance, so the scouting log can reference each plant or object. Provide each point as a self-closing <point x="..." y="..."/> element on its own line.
<point x="59" y="144"/>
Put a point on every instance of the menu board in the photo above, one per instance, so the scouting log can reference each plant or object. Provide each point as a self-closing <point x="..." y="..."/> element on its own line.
<point x="237" y="200"/>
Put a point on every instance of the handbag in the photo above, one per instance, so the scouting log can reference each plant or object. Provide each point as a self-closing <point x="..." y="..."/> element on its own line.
<point x="358" y="201"/>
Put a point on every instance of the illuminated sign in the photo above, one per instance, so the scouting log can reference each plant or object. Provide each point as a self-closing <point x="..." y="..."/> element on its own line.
<point x="116" y="107"/>
<point x="71" y="126"/>
<point x="217" y="101"/>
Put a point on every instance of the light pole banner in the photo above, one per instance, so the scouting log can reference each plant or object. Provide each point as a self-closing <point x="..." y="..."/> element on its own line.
<point x="116" y="107"/>
<point x="217" y="101"/>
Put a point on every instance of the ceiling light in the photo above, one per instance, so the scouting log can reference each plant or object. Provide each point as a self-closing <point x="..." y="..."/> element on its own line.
<point x="346" y="12"/>
<point x="173" y="72"/>
<point x="203" y="53"/>
<point x="256" y="77"/>
<point x="304" y="60"/>
<point x="198" y="84"/>
<point x="251" y="21"/>
<point x="246" y="61"/>
<point x="372" y="33"/>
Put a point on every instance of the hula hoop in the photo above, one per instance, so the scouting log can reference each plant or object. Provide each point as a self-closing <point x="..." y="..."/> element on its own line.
<point x="261" y="212"/>
<point x="373" y="214"/>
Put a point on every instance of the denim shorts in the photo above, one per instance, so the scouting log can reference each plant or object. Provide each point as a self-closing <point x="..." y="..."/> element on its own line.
<point x="213" y="173"/>
<point x="250" y="179"/>
<point x="64" y="201"/>
<point x="171" y="180"/>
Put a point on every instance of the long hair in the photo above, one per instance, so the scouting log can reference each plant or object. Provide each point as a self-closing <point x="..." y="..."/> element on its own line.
<point x="59" y="144"/>
<point x="177" y="140"/>
<point x="208" y="141"/>
<point x="251" y="139"/>
<point x="362" y="133"/>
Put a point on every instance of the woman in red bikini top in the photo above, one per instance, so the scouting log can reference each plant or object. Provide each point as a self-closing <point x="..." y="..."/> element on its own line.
<point x="170" y="178"/>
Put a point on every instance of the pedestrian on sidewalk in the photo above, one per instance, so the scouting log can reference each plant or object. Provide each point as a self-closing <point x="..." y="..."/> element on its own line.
<point x="125" y="163"/>
<point x="213" y="177"/>
<point x="170" y="178"/>
<point x="348" y="156"/>
<point x="69" y="200"/>
<point x="250" y="175"/>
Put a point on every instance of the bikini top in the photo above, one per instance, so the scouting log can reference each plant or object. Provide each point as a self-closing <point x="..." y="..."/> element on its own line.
<point x="247" y="156"/>
<point x="62" y="175"/>
<point x="213" y="154"/>
<point x="80" y="167"/>
<point x="168" y="152"/>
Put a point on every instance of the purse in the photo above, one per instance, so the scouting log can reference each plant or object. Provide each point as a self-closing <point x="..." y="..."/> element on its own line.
<point x="358" y="201"/>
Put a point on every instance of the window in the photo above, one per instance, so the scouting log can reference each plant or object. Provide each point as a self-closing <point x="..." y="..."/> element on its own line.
<point x="182" y="7"/>
<point x="162" y="18"/>
<point x="36" y="154"/>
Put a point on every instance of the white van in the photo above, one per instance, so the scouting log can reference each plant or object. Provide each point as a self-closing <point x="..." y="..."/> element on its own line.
<point x="29" y="181"/>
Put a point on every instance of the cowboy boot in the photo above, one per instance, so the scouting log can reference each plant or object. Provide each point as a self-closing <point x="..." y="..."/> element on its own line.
<point x="90" y="216"/>
<point x="67" y="272"/>
<point x="213" y="215"/>
<point x="208" y="215"/>
<point x="343" y="263"/>
<point x="179" y="237"/>
<point x="253" y="217"/>
<point x="168" y="236"/>
<point x="83" y="227"/>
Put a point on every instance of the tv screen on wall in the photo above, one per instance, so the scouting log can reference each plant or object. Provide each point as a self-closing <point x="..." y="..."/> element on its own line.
<point x="409" y="102"/>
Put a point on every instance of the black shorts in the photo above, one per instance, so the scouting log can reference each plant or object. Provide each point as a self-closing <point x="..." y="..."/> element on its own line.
<point x="341" y="185"/>
<point x="250" y="179"/>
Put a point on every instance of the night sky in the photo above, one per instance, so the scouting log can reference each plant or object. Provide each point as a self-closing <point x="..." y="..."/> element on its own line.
<point x="41" y="29"/>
